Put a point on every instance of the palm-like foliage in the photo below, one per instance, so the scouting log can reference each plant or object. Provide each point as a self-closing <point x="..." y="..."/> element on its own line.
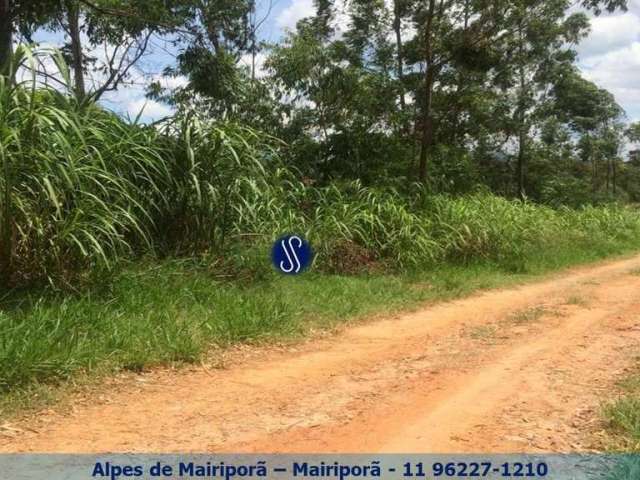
<point x="79" y="184"/>
<point x="211" y="166"/>
<point x="82" y="188"/>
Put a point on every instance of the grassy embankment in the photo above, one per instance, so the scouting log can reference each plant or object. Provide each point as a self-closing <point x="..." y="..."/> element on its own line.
<point x="158" y="312"/>
<point x="133" y="246"/>
<point x="622" y="416"/>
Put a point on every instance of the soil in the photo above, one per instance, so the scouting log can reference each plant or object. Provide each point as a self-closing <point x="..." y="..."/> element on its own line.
<point x="514" y="370"/>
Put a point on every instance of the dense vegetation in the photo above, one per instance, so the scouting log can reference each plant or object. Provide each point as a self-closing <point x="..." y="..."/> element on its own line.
<point x="428" y="149"/>
<point x="90" y="192"/>
<point x="86" y="189"/>
<point x="451" y="93"/>
<point x="623" y="416"/>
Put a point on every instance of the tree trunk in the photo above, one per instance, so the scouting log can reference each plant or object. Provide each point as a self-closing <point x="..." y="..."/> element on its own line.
<point x="520" y="173"/>
<point x="6" y="34"/>
<point x="73" y="18"/>
<point x="427" y="114"/>
<point x="427" y="128"/>
<point x="6" y="227"/>
<point x="252" y="38"/>
<point x="522" y="120"/>
<point x="6" y="234"/>
<point x="613" y="173"/>
<point x="405" y="127"/>
<point x="594" y="162"/>
<point x="397" y="27"/>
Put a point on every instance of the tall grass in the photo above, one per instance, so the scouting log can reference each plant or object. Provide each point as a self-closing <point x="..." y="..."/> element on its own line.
<point x="210" y="165"/>
<point x="421" y="230"/>
<point x="622" y="415"/>
<point x="79" y="184"/>
<point x="82" y="191"/>
<point x="155" y="313"/>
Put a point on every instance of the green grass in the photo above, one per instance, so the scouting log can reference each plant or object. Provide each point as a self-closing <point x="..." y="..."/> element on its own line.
<point x="176" y="312"/>
<point x="84" y="192"/>
<point x="622" y="416"/>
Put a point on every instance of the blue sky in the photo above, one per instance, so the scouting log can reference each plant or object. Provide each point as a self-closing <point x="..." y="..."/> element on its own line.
<point x="610" y="57"/>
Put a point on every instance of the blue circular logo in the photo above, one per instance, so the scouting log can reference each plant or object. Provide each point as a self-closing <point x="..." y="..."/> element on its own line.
<point x="291" y="254"/>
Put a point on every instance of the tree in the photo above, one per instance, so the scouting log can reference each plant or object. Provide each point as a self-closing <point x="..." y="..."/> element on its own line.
<point x="633" y="132"/>
<point x="122" y="28"/>
<point x="220" y="34"/>
<point x="592" y="113"/>
<point x="342" y="93"/>
<point x="23" y="15"/>
<point x="6" y="33"/>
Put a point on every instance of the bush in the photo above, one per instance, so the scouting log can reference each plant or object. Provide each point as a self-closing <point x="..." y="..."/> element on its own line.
<point x="83" y="189"/>
<point x="79" y="184"/>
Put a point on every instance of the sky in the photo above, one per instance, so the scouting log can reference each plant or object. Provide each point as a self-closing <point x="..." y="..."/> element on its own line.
<point x="609" y="56"/>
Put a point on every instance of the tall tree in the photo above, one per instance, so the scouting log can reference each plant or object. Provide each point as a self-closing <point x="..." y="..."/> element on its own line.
<point x="221" y="35"/>
<point x="6" y="32"/>
<point x="24" y="16"/>
<point x="539" y="43"/>
<point x="593" y="114"/>
<point x="121" y="28"/>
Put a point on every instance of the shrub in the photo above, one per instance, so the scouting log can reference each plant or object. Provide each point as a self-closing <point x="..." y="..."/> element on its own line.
<point x="79" y="184"/>
<point x="81" y="189"/>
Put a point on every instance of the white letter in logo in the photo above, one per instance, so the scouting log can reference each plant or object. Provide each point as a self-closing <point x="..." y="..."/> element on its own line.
<point x="291" y="268"/>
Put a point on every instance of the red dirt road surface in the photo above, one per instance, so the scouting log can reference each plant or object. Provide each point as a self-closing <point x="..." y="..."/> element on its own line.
<point x="514" y="370"/>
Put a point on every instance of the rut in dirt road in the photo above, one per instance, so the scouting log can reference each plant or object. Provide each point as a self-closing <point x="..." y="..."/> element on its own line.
<point x="522" y="369"/>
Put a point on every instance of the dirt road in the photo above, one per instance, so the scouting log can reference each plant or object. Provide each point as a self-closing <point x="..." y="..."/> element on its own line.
<point x="522" y="369"/>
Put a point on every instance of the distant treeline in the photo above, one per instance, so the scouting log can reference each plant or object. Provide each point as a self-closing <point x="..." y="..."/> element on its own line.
<point x="451" y="93"/>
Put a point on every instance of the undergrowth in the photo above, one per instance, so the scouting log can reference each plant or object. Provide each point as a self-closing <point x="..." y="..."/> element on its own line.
<point x="83" y="190"/>
<point x="622" y="416"/>
<point x="126" y="246"/>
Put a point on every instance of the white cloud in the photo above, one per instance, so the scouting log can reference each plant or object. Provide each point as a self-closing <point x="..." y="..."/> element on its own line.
<point x="299" y="9"/>
<point x="610" y="56"/>
<point x="296" y="11"/>
<point x="261" y="58"/>
<point x="610" y="33"/>
<point x="170" y="82"/>
<point x="150" y="109"/>
<point x="130" y="100"/>
<point x="130" y="96"/>
<point x="617" y="68"/>
<point x="619" y="72"/>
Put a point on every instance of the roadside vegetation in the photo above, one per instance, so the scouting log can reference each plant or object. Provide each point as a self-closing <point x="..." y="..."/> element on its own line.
<point x="128" y="246"/>
<point x="424" y="151"/>
<point x="622" y="416"/>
